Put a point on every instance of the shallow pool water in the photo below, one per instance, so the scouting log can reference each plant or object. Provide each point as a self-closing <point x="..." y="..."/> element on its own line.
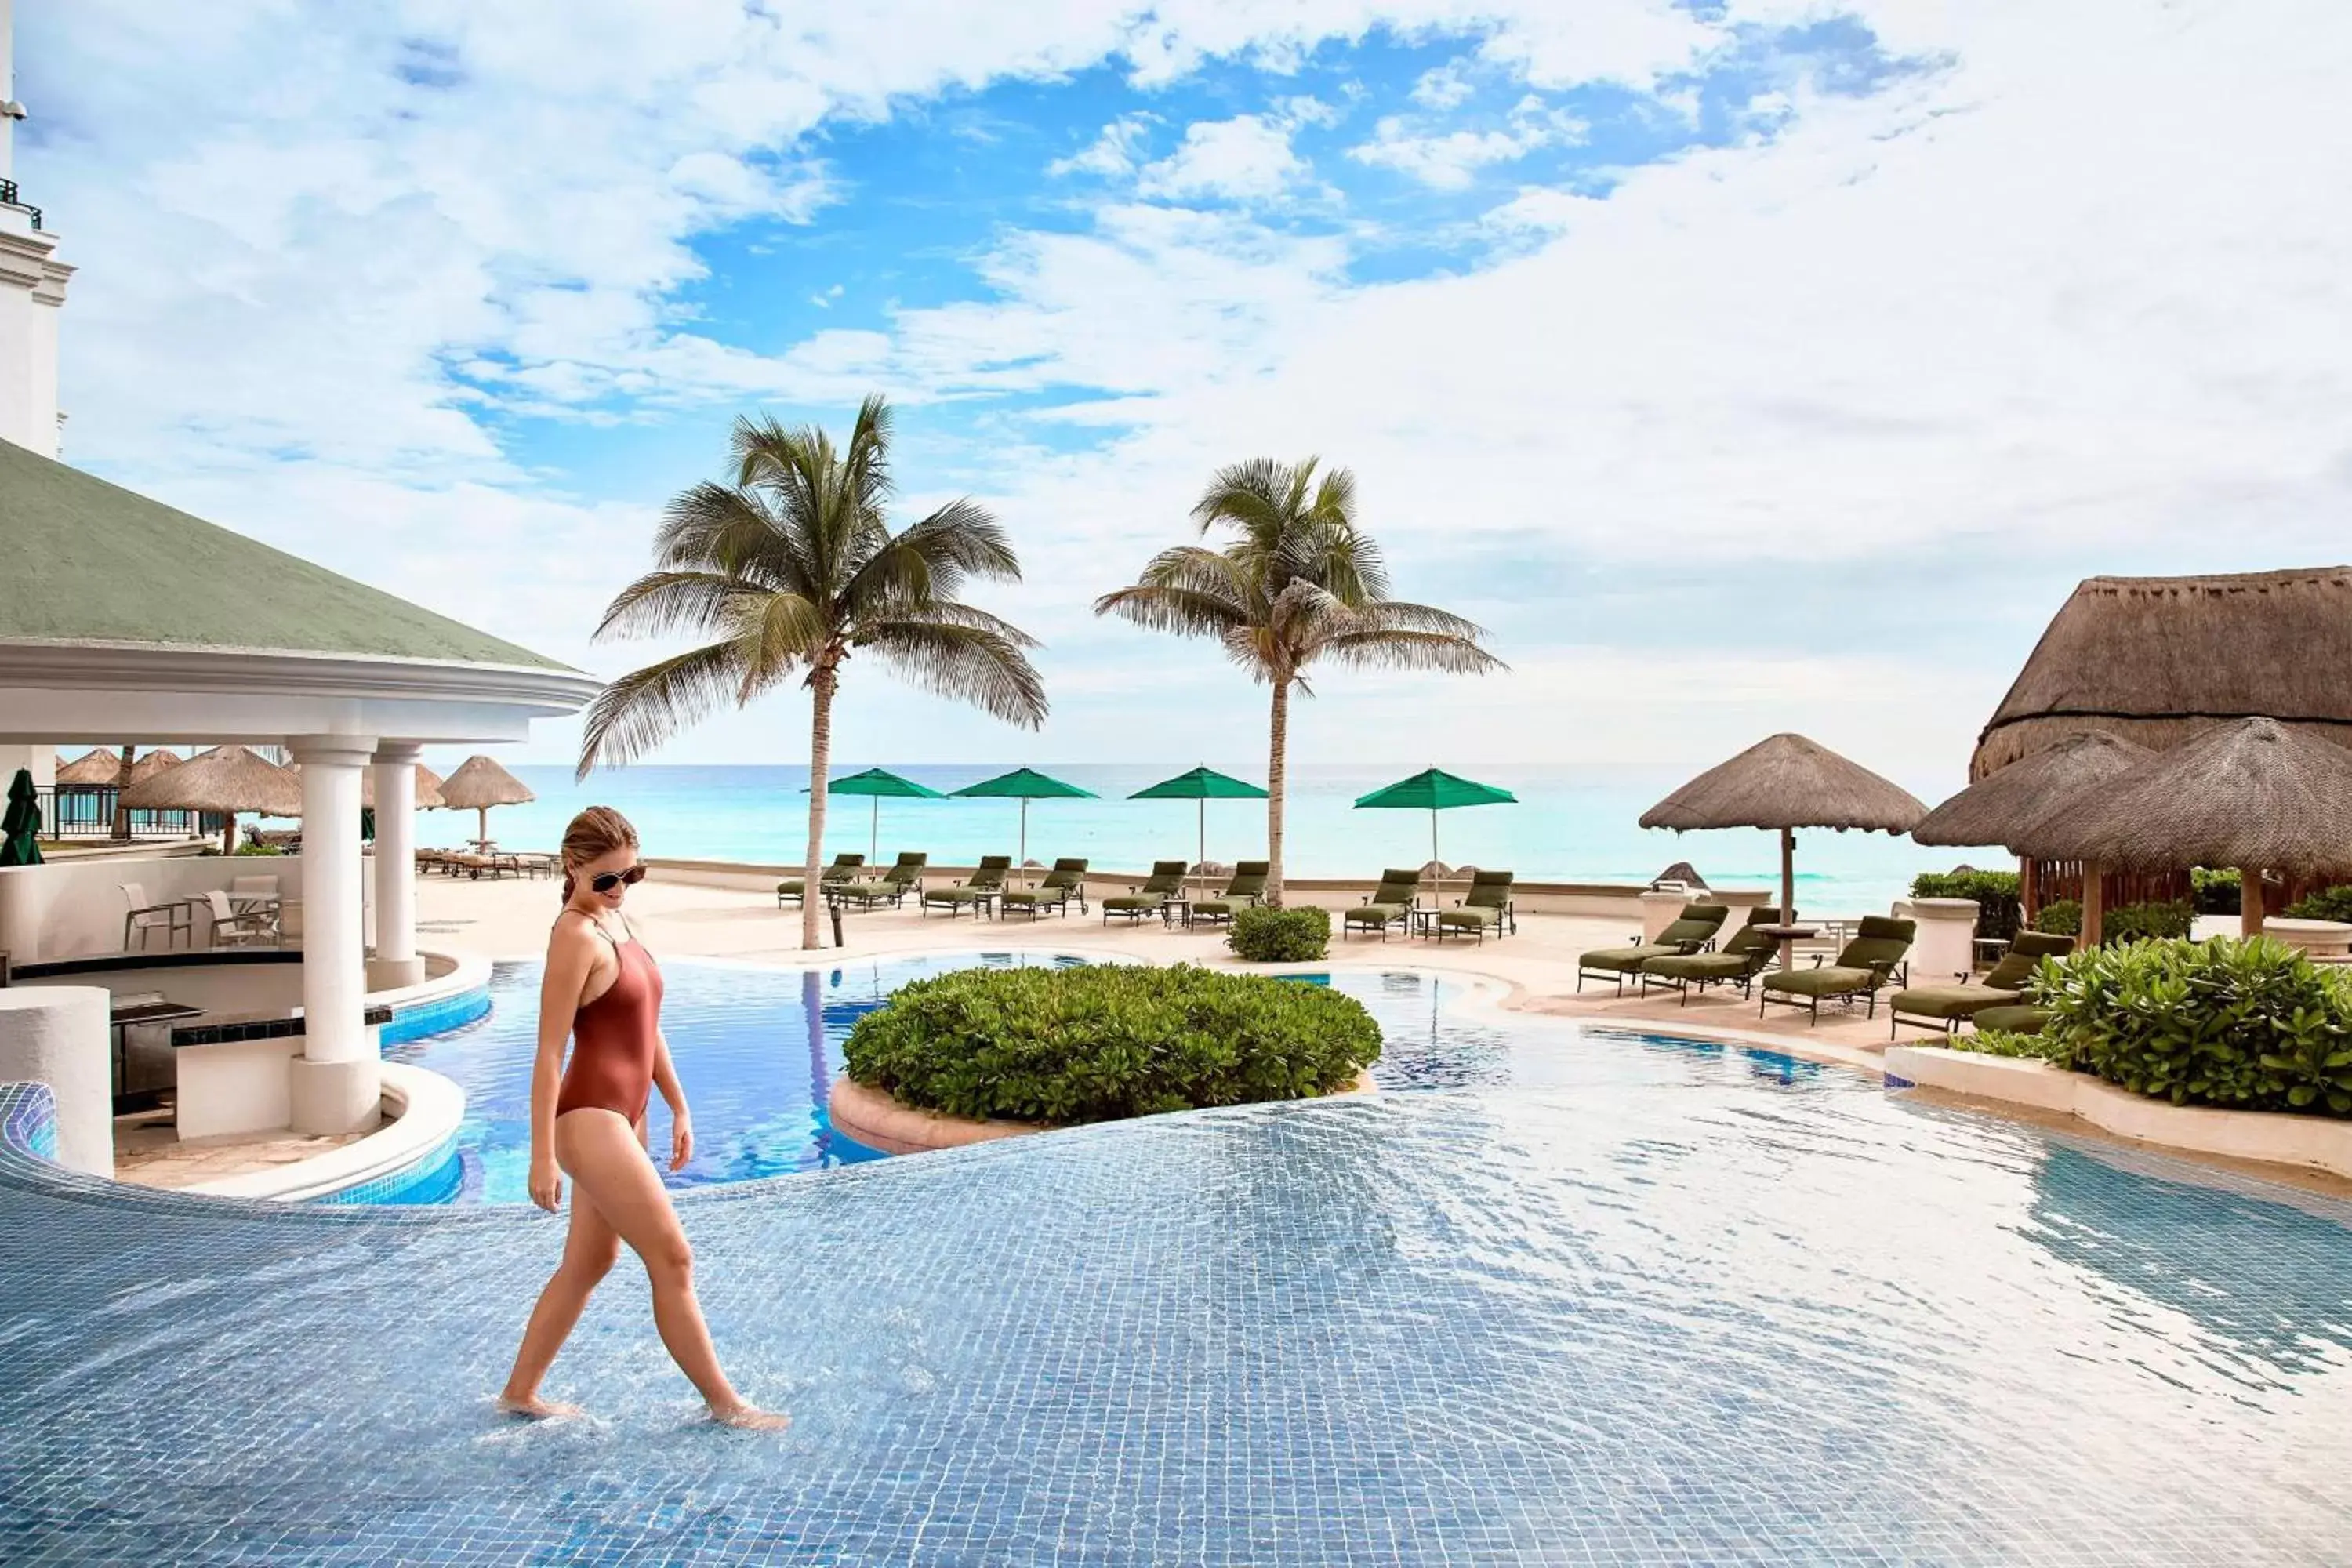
<point x="757" y="1049"/>
<point x="1627" y="1300"/>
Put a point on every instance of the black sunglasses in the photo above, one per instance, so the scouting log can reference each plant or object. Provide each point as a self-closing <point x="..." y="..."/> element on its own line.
<point x="605" y="881"/>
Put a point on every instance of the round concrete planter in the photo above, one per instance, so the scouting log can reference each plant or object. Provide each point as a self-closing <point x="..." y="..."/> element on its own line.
<point x="870" y="1116"/>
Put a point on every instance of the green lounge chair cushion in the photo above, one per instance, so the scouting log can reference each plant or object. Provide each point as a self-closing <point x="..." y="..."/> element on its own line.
<point x="1627" y="959"/>
<point x="1133" y="901"/>
<point x="1468" y="918"/>
<point x="2017" y="1018"/>
<point x="1219" y="905"/>
<point x="956" y="895"/>
<point x="1723" y="965"/>
<point x="792" y="885"/>
<point x="1951" y="1001"/>
<point x="2024" y="956"/>
<point x="1832" y="980"/>
<point x="1374" y="915"/>
<point x="1037" y="895"/>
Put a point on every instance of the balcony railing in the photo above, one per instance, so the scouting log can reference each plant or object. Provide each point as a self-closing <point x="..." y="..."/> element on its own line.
<point x="86" y="813"/>
<point x="8" y="199"/>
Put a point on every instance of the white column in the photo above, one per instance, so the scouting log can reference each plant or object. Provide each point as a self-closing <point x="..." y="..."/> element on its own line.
<point x="395" y="961"/>
<point x="336" y="1085"/>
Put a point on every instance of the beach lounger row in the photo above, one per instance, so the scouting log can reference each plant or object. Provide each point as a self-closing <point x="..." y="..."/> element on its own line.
<point x="1394" y="904"/>
<point x="1686" y="958"/>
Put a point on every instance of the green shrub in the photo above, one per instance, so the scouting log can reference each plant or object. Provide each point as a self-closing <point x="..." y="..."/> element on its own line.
<point x="2213" y="892"/>
<point x="2063" y="918"/>
<point x="2138" y="922"/>
<point x="2328" y="904"/>
<point x="1103" y="1042"/>
<point x="1281" y="936"/>
<point x="2003" y="1043"/>
<point x="1999" y="910"/>
<point x="2249" y="1025"/>
<point x="249" y="848"/>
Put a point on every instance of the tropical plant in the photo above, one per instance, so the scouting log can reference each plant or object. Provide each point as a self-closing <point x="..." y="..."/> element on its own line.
<point x="1281" y="936"/>
<point x="1098" y="1043"/>
<point x="1999" y="912"/>
<point x="2214" y="892"/>
<point x="2328" y="904"/>
<point x="2250" y="1025"/>
<point x="789" y="570"/>
<point x="1298" y="583"/>
<point x="2140" y="922"/>
<point x="2060" y="917"/>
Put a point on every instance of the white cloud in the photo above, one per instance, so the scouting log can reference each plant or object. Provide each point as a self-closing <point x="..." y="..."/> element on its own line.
<point x="1112" y="154"/>
<point x="1247" y="158"/>
<point x="1450" y="159"/>
<point x="1444" y="87"/>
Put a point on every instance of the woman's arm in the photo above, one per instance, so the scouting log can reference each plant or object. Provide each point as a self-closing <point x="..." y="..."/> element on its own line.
<point x="681" y="1127"/>
<point x="570" y="953"/>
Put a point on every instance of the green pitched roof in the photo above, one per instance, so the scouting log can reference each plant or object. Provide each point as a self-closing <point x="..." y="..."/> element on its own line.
<point x="92" y="563"/>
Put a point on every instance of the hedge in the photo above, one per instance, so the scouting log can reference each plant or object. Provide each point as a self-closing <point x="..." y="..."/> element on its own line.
<point x="1281" y="936"/>
<point x="2249" y="1026"/>
<point x="2328" y="904"/>
<point x="1999" y="909"/>
<point x="1103" y="1042"/>
<point x="2125" y="923"/>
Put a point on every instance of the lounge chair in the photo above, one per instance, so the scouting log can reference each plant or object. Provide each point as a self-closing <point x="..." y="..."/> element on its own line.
<point x="1485" y="908"/>
<point x="1152" y="897"/>
<point x="974" y="892"/>
<point x="1066" y="881"/>
<point x="1866" y="963"/>
<point x="1387" y="906"/>
<point x="1246" y="889"/>
<point x="893" y="884"/>
<point x="793" y="889"/>
<point x="1690" y="931"/>
<point x="1947" y="1007"/>
<point x="1738" y="961"/>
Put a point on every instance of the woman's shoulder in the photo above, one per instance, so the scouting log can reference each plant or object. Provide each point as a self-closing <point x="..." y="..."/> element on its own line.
<point x="572" y="929"/>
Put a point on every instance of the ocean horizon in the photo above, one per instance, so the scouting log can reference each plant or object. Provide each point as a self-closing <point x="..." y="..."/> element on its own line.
<point x="1567" y="826"/>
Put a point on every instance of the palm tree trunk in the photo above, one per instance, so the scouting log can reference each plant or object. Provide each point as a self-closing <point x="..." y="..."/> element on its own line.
<point x="821" y="689"/>
<point x="121" y="783"/>
<point x="1276" y="749"/>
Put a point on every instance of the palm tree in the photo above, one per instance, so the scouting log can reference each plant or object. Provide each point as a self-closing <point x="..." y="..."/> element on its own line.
<point x="791" y="570"/>
<point x="1299" y="582"/>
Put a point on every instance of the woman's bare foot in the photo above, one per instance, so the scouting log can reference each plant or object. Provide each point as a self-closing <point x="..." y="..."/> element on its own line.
<point x="535" y="1408"/>
<point x="745" y="1418"/>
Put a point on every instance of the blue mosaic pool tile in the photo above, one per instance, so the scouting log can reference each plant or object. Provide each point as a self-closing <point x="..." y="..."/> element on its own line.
<point x="437" y="1017"/>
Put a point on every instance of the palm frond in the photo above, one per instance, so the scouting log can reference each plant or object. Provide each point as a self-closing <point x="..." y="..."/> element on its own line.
<point x="699" y="604"/>
<point x="1393" y="649"/>
<point x="1399" y="614"/>
<point x="787" y="633"/>
<point x="966" y="536"/>
<point x="969" y="663"/>
<point x="713" y="527"/>
<point x="645" y="707"/>
<point x="1184" y="611"/>
<point x="955" y="613"/>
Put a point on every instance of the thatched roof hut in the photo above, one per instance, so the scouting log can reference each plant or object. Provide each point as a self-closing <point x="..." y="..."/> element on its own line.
<point x="1995" y="810"/>
<point x="1683" y="872"/>
<point x="479" y="783"/>
<point x="1787" y="782"/>
<point x="148" y="765"/>
<point x="2158" y="660"/>
<point x="2254" y="794"/>
<point x="94" y="768"/>
<point x="226" y="779"/>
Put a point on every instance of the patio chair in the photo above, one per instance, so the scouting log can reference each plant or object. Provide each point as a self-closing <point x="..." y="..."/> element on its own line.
<point x="1385" y="907"/>
<point x="1747" y="954"/>
<point x="1947" y="1007"/>
<point x="1066" y="881"/>
<point x="259" y="896"/>
<point x="1245" y="889"/>
<point x="1152" y="897"/>
<point x="1689" y="931"/>
<point x="793" y="889"/>
<point x="1866" y="964"/>
<point x="893" y="886"/>
<point x="143" y="917"/>
<point x="973" y="893"/>
<point x="233" y="930"/>
<point x="1485" y="908"/>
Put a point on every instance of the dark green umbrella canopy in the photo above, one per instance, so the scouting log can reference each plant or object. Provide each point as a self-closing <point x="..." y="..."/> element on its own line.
<point x="880" y="783"/>
<point x="1433" y="790"/>
<point x="1024" y="785"/>
<point x="1203" y="786"/>
<point x="20" y="830"/>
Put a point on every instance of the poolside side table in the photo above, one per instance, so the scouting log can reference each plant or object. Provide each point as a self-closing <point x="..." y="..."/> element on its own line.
<point x="1176" y="909"/>
<point x="1789" y="937"/>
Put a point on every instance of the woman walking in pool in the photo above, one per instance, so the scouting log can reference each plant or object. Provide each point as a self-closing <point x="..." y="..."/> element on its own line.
<point x="604" y="992"/>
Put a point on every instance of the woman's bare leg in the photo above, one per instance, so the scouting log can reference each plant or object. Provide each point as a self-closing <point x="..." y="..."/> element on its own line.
<point x="590" y="1249"/>
<point x="608" y="1165"/>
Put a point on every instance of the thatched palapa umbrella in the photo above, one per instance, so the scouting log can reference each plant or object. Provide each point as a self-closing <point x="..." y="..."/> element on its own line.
<point x="97" y="768"/>
<point x="1995" y="810"/>
<point x="2252" y="793"/>
<point x="1785" y="783"/>
<point x="226" y="779"/>
<point x="479" y="785"/>
<point x="153" y="763"/>
<point x="2156" y="659"/>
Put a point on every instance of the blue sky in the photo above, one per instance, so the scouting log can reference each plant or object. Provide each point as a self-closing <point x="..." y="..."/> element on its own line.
<point x="1744" y="366"/>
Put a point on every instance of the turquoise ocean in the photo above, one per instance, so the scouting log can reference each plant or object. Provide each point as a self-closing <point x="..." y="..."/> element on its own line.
<point x="1566" y="827"/>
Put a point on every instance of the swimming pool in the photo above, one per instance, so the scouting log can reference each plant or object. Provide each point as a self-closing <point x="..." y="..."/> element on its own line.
<point x="1628" y="1299"/>
<point x="757" y="1049"/>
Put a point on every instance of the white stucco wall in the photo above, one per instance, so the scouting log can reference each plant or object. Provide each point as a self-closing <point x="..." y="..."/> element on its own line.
<point x="69" y="909"/>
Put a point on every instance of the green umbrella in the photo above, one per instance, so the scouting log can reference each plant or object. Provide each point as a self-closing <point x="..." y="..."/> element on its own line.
<point x="878" y="783"/>
<point x="1433" y="790"/>
<point x="20" y="830"/>
<point x="1204" y="785"/>
<point x="1024" y="785"/>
